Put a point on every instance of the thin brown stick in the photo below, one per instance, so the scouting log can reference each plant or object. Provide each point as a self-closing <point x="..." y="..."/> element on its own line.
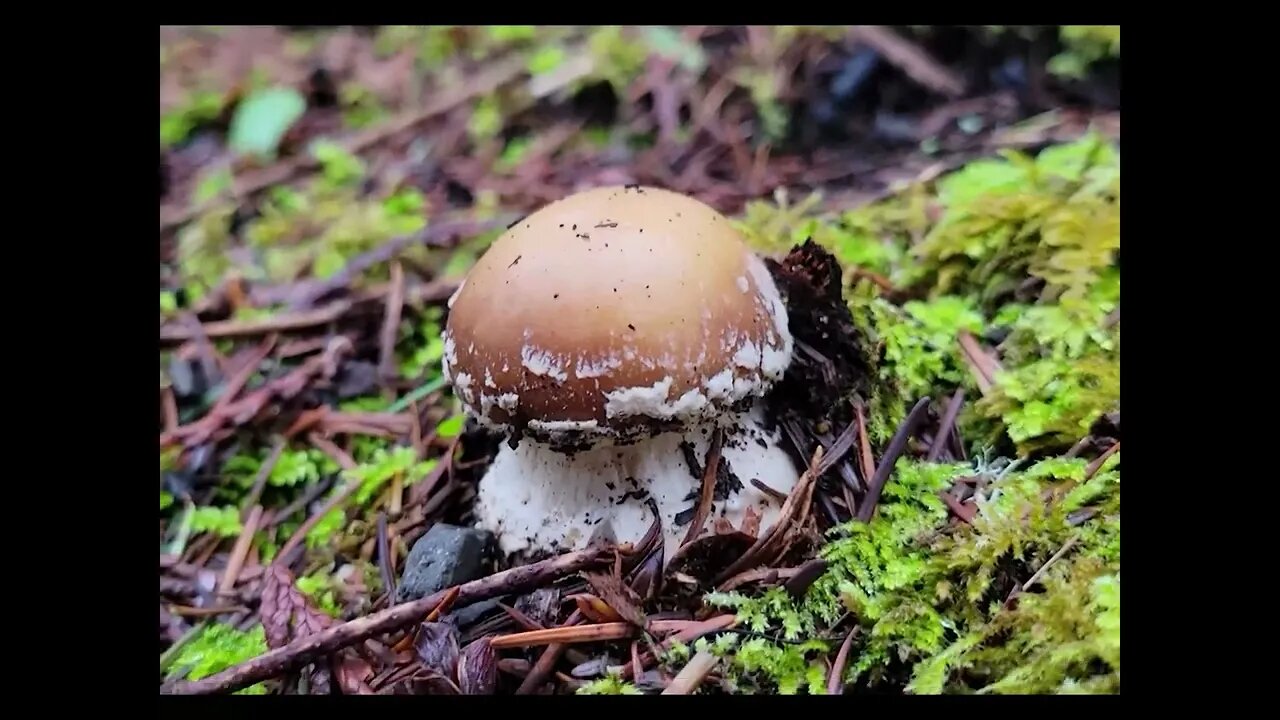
<point x="303" y="651"/>
<point x="959" y="509"/>
<point x="188" y="611"/>
<point x="282" y="322"/>
<point x="1099" y="461"/>
<point x="295" y="320"/>
<point x="308" y="496"/>
<point x="765" y="575"/>
<point x="897" y="445"/>
<point x="564" y="635"/>
<point x="240" y="551"/>
<point x="546" y="664"/>
<point x="333" y="503"/>
<point x="948" y="422"/>
<point x="866" y="461"/>
<point x="434" y="234"/>
<point x="169" y="408"/>
<point x="911" y="59"/>
<point x="260" y="482"/>
<point x="688" y="635"/>
<point x="1035" y="577"/>
<point x="692" y="674"/>
<point x="835" y="681"/>
<point x="215" y="424"/>
<point x="241" y="378"/>
<point x="773" y="493"/>
<point x="340" y="456"/>
<point x="984" y="367"/>
<point x="794" y="508"/>
<point x="391" y="326"/>
<point x="708" y="489"/>
<point x="385" y="561"/>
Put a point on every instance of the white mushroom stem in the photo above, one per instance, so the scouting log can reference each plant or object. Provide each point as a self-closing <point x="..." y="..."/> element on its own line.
<point x="534" y="498"/>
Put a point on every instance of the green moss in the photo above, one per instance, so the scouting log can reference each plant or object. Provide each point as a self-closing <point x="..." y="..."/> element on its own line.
<point x="295" y="466"/>
<point x="929" y="603"/>
<point x="318" y="228"/>
<point x="609" y="685"/>
<point x="319" y="586"/>
<point x="199" y="108"/>
<point x="385" y="464"/>
<point x="223" y="521"/>
<point x="219" y="647"/>
<point x="1084" y="46"/>
<point x="1016" y="246"/>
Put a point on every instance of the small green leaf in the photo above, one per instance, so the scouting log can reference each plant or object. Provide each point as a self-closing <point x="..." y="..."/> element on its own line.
<point x="450" y="428"/>
<point x="224" y="521"/>
<point x="546" y="59"/>
<point x="263" y="118"/>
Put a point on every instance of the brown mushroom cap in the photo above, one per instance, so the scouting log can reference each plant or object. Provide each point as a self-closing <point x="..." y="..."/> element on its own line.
<point x="612" y="309"/>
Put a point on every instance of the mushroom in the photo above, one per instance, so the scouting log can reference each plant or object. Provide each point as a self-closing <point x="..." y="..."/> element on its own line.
<point x="600" y="333"/>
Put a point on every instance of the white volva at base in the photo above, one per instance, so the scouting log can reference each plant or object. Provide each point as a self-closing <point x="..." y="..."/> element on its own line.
<point x="536" y="499"/>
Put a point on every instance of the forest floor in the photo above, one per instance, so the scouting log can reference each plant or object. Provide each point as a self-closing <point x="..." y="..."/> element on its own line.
<point x="941" y="208"/>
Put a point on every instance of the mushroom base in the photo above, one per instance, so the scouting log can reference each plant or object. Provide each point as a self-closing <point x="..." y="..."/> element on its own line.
<point x="537" y="499"/>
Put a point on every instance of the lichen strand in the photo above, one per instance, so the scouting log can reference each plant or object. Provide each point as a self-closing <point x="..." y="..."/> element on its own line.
<point x="1022" y="254"/>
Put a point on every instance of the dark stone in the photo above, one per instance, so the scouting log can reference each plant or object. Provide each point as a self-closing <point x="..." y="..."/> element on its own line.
<point x="445" y="556"/>
<point x="465" y="617"/>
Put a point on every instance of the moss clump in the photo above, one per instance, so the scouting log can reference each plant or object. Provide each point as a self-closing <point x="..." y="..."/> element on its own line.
<point x="218" y="647"/>
<point x="1084" y="45"/>
<point x="315" y="230"/>
<point x="1021" y="253"/>
<point x="609" y="685"/>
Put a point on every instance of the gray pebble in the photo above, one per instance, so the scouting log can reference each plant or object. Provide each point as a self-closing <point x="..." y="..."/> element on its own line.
<point x="465" y="617"/>
<point x="445" y="556"/>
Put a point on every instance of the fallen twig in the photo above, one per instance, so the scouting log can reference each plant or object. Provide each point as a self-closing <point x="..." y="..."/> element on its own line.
<point x="241" y="377"/>
<point x="564" y="635"/>
<point x="959" y="509"/>
<point x="1098" y="462"/>
<point x="299" y="653"/>
<point x="333" y="503"/>
<point x="241" y="550"/>
<point x="804" y="577"/>
<point x="945" y="427"/>
<point x="686" y="636"/>
<point x="1035" y="577"/>
<point x="796" y="506"/>
<point x="891" y="454"/>
<point x="236" y="413"/>
<point x="984" y="367"/>
<point x="546" y="664"/>
<point x="835" y="681"/>
<point x="866" y="461"/>
<point x="692" y="674"/>
<point x="764" y="575"/>
<point x="291" y="321"/>
<point x="391" y="326"/>
<point x="282" y="322"/>
<point x="911" y="59"/>
<point x="260" y="481"/>
<point x="703" y="508"/>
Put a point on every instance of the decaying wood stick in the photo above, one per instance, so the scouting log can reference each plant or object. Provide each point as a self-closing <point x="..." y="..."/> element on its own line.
<point x="301" y="652"/>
